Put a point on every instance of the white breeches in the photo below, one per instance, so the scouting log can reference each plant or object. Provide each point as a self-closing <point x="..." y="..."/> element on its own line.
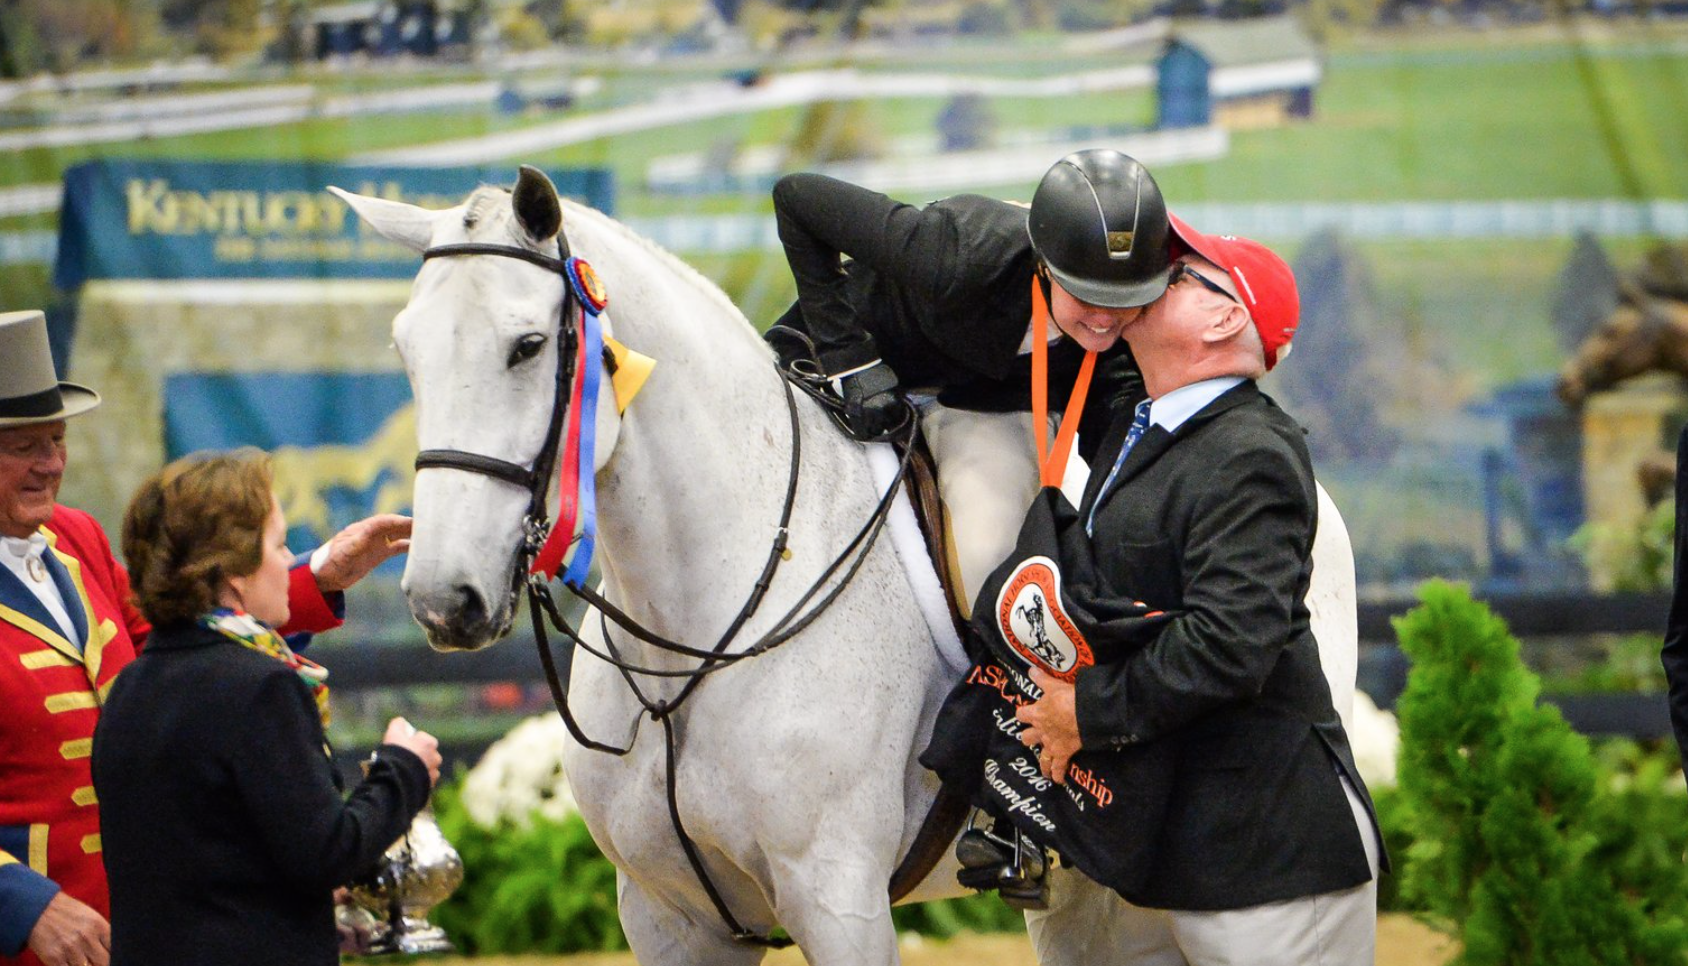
<point x="987" y="477"/>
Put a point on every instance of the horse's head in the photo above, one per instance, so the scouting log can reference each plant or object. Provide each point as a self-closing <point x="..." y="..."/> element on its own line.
<point x="479" y="340"/>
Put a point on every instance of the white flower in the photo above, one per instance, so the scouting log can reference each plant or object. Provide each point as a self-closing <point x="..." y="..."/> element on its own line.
<point x="520" y="775"/>
<point x="1376" y="740"/>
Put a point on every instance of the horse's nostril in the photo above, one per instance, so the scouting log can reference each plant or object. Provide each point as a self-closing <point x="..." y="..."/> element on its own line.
<point x="472" y="611"/>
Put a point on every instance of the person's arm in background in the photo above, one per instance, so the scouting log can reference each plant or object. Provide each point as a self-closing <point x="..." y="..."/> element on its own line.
<point x="315" y="596"/>
<point x="35" y="914"/>
<point x="319" y="578"/>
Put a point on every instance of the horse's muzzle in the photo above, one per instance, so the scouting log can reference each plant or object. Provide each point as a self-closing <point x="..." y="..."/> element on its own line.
<point x="458" y="619"/>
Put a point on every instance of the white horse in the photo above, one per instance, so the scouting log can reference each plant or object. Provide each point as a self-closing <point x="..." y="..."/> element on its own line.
<point x="796" y="771"/>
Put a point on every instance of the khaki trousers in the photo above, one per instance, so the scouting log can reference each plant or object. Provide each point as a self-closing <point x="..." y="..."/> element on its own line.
<point x="1331" y="929"/>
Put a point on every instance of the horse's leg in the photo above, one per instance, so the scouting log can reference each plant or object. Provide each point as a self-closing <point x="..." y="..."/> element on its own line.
<point x="836" y="908"/>
<point x="1332" y="610"/>
<point x="662" y="934"/>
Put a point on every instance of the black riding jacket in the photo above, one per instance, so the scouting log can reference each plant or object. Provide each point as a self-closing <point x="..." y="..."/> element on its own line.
<point x="942" y="294"/>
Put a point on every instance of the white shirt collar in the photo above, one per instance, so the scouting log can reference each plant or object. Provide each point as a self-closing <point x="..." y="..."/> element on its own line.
<point x="1055" y="334"/>
<point x="19" y="548"/>
<point x="1173" y="409"/>
<point x="15" y="553"/>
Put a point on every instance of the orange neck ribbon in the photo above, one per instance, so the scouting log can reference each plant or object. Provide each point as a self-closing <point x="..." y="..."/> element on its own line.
<point x="1052" y="464"/>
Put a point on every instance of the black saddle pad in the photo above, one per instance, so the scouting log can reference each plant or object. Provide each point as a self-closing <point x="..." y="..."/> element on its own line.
<point x="1045" y="606"/>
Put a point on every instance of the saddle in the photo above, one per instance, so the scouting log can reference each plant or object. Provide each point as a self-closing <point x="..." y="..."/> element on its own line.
<point x="921" y="485"/>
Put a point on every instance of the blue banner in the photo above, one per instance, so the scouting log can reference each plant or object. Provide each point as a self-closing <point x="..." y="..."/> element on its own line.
<point x="189" y="219"/>
<point x="342" y="443"/>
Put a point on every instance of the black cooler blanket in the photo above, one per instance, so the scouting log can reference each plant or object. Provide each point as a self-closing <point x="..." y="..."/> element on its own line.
<point x="1046" y="606"/>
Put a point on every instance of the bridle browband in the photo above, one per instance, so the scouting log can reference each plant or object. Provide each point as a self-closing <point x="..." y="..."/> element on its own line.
<point x="536" y="526"/>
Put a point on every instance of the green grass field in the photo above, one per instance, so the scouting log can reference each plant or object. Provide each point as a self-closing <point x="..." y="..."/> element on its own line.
<point x="1456" y="120"/>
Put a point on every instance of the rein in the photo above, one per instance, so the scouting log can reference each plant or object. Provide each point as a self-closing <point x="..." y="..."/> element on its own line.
<point x="543" y="547"/>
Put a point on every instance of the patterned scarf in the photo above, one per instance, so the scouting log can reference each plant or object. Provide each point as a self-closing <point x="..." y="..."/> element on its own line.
<point x="248" y="631"/>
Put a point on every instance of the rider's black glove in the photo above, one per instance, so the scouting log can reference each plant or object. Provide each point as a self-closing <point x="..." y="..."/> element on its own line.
<point x="872" y="405"/>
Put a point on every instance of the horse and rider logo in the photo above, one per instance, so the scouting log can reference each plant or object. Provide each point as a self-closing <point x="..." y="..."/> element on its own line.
<point x="1034" y="623"/>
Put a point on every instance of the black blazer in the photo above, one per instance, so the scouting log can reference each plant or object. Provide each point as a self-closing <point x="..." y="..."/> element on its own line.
<point x="1217" y="520"/>
<point x="223" y="827"/>
<point x="941" y="293"/>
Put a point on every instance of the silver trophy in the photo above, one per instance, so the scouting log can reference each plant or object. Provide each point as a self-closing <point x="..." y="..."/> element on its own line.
<point x="417" y="873"/>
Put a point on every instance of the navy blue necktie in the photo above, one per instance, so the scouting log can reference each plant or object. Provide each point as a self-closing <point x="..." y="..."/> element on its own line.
<point x="1139" y="426"/>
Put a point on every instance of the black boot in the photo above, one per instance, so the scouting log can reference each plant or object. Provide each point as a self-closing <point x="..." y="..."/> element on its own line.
<point x="1015" y="866"/>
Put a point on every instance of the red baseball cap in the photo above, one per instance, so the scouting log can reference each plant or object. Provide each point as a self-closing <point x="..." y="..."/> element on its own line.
<point x="1264" y="281"/>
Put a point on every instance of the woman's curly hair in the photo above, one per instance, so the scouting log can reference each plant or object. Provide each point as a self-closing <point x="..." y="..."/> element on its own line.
<point x="192" y="526"/>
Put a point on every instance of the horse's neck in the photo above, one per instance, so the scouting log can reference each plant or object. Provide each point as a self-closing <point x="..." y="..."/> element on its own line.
<point x="690" y="501"/>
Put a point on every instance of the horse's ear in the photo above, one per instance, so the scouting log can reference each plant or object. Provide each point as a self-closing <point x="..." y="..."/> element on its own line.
<point x="408" y="225"/>
<point x="536" y="204"/>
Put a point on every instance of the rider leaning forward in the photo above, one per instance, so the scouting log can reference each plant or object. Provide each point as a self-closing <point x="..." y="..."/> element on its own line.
<point x="938" y="301"/>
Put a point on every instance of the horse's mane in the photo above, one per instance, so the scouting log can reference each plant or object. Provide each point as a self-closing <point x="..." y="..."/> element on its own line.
<point x="490" y="201"/>
<point x="674" y="262"/>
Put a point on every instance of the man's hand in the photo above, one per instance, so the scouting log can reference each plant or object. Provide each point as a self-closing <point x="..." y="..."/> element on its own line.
<point x="355" y="925"/>
<point x="1052" y="723"/>
<point x="360" y="548"/>
<point x="872" y="405"/>
<point x="71" y="933"/>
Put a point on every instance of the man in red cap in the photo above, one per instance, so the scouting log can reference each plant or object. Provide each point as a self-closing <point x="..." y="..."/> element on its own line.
<point x="1205" y="506"/>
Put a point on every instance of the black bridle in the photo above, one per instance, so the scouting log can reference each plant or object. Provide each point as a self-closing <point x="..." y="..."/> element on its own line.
<point x="536" y="526"/>
<point x="536" y="523"/>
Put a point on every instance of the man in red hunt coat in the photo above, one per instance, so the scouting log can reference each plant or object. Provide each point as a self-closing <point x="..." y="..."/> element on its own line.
<point x="66" y="628"/>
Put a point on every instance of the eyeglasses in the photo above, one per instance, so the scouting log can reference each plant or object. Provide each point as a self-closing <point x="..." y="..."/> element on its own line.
<point x="1181" y="270"/>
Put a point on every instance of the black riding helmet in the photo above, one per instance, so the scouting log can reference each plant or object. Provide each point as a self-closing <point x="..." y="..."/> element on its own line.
<point x="1098" y="223"/>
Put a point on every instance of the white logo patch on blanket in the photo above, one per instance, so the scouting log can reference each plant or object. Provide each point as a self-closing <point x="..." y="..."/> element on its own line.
<point x="1035" y="624"/>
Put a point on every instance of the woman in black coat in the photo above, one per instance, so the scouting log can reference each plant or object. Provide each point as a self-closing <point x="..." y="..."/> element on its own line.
<point x="223" y="825"/>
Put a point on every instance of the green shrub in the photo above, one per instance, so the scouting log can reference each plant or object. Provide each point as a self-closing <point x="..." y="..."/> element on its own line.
<point x="984" y="912"/>
<point x="1627" y="663"/>
<point x="1392" y="818"/>
<point x="541" y="889"/>
<point x="1518" y="843"/>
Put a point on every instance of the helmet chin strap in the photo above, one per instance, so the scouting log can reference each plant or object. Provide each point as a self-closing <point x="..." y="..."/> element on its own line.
<point x="1044" y="281"/>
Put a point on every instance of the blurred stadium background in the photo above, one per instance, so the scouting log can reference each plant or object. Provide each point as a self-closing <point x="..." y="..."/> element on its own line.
<point x="1464" y="188"/>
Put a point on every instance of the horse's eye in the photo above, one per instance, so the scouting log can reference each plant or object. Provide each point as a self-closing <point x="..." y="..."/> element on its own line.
<point x="525" y="348"/>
